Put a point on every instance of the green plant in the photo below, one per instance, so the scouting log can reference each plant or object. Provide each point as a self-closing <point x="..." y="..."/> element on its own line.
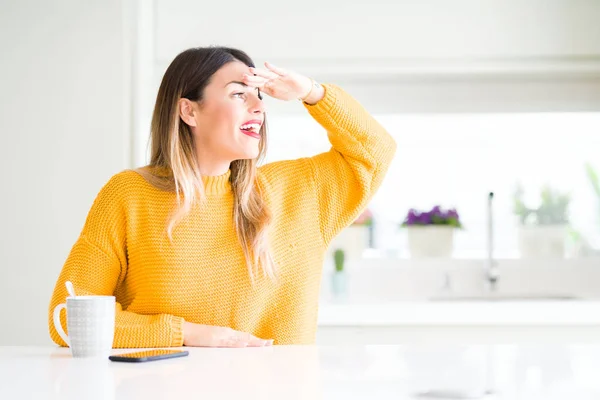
<point x="553" y="208"/>
<point x="594" y="180"/>
<point x="593" y="177"/>
<point x="338" y="257"/>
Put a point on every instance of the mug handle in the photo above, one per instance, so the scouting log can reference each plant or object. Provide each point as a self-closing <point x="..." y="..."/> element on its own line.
<point x="58" y="325"/>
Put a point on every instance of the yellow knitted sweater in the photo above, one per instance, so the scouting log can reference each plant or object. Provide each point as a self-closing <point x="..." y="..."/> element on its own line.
<point x="201" y="276"/>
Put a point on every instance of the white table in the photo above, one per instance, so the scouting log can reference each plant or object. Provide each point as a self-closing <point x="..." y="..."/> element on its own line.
<point x="524" y="372"/>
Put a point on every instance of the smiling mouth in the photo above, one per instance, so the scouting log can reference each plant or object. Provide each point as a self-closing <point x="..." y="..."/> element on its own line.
<point x="251" y="130"/>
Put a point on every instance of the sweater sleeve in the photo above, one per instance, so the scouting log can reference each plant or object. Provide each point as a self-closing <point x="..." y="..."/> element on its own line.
<point x="349" y="174"/>
<point x="97" y="264"/>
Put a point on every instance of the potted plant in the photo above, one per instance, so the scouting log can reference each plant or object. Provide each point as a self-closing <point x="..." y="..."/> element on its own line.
<point x="354" y="239"/>
<point x="431" y="233"/>
<point x="594" y="181"/>
<point x="339" y="277"/>
<point x="588" y="245"/>
<point x="542" y="229"/>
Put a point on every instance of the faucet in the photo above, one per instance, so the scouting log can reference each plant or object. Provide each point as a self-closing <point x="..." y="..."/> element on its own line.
<point x="492" y="274"/>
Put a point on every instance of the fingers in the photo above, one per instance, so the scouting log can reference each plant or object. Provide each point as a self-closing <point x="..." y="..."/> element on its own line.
<point x="232" y="342"/>
<point x="254" y="81"/>
<point x="243" y="339"/>
<point x="277" y="70"/>
<point x="199" y="335"/>
<point x="264" y="73"/>
<point x="254" y="341"/>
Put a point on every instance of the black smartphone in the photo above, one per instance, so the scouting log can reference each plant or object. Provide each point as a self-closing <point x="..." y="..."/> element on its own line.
<point x="148" y="355"/>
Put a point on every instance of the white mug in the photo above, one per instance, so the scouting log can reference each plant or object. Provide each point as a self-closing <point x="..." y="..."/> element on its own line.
<point x="91" y="325"/>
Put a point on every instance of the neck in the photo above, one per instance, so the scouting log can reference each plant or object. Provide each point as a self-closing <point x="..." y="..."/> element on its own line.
<point x="209" y="165"/>
<point x="214" y="169"/>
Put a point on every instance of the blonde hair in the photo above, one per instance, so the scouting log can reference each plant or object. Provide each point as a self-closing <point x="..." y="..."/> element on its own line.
<point x="173" y="162"/>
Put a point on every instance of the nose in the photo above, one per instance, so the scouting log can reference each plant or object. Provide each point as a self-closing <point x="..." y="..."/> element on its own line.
<point x="257" y="107"/>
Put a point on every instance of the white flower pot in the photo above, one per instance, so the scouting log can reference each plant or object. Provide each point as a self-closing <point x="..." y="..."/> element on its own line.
<point x="339" y="284"/>
<point x="543" y="241"/>
<point x="428" y="241"/>
<point x="353" y="240"/>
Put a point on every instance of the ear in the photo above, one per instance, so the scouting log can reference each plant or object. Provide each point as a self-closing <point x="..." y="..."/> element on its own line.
<point x="187" y="112"/>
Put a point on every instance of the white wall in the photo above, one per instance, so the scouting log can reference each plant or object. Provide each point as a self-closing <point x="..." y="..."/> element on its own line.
<point x="64" y="120"/>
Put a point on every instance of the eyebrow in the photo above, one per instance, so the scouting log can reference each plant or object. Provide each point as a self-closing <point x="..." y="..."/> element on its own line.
<point x="236" y="82"/>
<point x="243" y="84"/>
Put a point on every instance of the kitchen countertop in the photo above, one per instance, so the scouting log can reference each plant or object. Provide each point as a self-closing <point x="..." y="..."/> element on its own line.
<point x="480" y="313"/>
<point x="511" y="371"/>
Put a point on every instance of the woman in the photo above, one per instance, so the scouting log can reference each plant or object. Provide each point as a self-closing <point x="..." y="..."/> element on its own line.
<point x="202" y="247"/>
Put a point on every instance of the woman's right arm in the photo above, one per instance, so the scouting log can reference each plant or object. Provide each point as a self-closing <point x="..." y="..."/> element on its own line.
<point x="97" y="264"/>
<point x="96" y="272"/>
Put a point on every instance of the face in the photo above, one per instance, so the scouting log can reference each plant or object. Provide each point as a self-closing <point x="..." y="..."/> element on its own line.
<point x="226" y="124"/>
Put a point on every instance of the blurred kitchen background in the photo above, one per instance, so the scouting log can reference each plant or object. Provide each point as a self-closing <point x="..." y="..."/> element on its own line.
<point x="501" y="97"/>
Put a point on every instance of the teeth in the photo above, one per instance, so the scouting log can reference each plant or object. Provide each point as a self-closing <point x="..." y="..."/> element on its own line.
<point x="253" y="127"/>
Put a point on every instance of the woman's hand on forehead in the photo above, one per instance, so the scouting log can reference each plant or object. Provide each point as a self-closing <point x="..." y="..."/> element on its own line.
<point x="278" y="83"/>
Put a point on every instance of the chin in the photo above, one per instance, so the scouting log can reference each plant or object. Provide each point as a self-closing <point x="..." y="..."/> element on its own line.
<point x="251" y="153"/>
<point x="253" y="156"/>
<point x="248" y="155"/>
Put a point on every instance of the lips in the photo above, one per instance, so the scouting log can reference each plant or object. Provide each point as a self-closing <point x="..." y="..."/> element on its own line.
<point x="252" y="128"/>
<point x="251" y="134"/>
<point x="253" y="121"/>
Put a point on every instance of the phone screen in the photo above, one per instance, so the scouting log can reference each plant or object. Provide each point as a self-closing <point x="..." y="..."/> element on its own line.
<point x="148" y="355"/>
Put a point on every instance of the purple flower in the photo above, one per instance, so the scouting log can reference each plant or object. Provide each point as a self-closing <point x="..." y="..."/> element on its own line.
<point x="425" y="218"/>
<point x="436" y="216"/>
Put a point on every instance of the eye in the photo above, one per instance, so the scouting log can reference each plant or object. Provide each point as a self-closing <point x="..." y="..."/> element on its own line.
<point x="239" y="94"/>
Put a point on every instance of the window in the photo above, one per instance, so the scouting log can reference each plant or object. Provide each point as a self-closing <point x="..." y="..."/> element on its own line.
<point x="455" y="159"/>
